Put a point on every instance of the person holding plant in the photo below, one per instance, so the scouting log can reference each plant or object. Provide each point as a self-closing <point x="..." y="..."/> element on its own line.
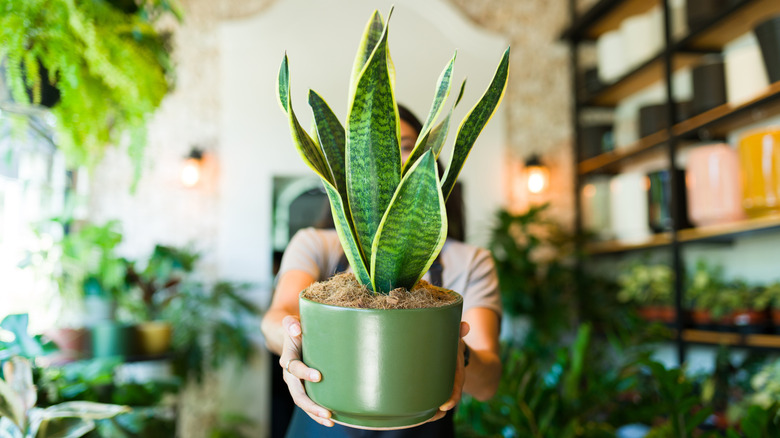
<point x="315" y="254"/>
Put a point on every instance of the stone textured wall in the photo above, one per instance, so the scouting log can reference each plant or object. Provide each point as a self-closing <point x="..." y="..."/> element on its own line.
<point x="539" y="91"/>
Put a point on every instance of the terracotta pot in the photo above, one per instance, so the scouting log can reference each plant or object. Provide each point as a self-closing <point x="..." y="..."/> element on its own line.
<point x="775" y="312"/>
<point x="71" y="342"/>
<point x="759" y="156"/>
<point x="659" y="313"/>
<point x="700" y="317"/>
<point x="153" y="338"/>
<point x="714" y="186"/>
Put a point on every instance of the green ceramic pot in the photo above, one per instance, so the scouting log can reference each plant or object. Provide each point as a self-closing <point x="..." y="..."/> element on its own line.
<point x="381" y="369"/>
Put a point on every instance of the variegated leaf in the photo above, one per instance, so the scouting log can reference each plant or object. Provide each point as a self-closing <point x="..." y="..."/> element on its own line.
<point x="412" y="231"/>
<point x="64" y="428"/>
<point x="372" y="152"/>
<point x="346" y="236"/>
<point x="12" y="405"/>
<point x="371" y="36"/>
<point x="474" y="122"/>
<point x="309" y="150"/>
<point x="332" y="139"/>
<point x="443" y="86"/>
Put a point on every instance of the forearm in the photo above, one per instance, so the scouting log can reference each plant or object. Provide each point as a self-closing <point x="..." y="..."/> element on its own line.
<point x="482" y="374"/>
<point x="273" y="331"/>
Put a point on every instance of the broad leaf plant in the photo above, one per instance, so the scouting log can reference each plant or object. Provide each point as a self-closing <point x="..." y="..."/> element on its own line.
<point x="19" y="418"/>
<point x="390" y="216"/>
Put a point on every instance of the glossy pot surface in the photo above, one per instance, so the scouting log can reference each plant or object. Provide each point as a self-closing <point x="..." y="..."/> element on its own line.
<point x="383" y="369"/>
<point x="714" y="185"/>
<point x="759" y="156"/>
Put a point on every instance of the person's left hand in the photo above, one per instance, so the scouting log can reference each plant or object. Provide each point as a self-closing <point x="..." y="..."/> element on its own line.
<point x="460" y="377"/>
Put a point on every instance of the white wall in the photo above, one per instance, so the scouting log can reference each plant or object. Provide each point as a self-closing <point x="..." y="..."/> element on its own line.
<point x="320" y="39"/>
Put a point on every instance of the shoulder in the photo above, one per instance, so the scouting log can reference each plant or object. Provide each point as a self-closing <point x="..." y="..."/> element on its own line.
<point x="314" y="237"/>
<point x="461" y="253"/>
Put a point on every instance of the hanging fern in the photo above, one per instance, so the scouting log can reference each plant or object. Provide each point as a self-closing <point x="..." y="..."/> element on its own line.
<point x="111" y="67"/>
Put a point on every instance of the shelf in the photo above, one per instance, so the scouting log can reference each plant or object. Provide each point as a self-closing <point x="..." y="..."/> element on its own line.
<point x="604" y="16"/>
<point x="610" y="159"/>
<point x="617" y="247"/>
<point x="732" y="339"/>
<point x="729" y="230"/>
<point x="719" y="121"/>
<point x="732" y="23"/>
<point x="647" y="74"/>
<point x="690" y="235"/>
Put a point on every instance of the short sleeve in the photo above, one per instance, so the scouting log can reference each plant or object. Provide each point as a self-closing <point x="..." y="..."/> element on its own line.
<point x="307" y="251"/>
<point x="482" y="289"/>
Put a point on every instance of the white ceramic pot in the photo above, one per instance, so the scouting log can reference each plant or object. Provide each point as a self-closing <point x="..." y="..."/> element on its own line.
<point x="629" y="207"/>
<point x="611" y="59"/>
<point x="745" y="73"/>
<point x="594" y="198"/>
<point x="642" y="37"/>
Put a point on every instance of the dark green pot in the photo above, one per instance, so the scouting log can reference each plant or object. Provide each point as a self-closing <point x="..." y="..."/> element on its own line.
<point x="384" y="369"/>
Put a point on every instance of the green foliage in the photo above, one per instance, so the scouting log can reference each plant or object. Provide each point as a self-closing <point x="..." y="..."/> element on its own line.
<point x="644" y="283"/>
<point x="573" y="396"/>
<point x="381" y="206"/>
<point x="111" y="67"/>
<point x="210" y="326"/>
<point x="19" y="417"/>
<point x="707" y="289"/>
<point x="159" y="281"/>
<point x="21" y="344"/>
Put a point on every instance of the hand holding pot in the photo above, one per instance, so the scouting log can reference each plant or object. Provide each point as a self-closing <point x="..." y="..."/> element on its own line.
<point x="295" y="371"/>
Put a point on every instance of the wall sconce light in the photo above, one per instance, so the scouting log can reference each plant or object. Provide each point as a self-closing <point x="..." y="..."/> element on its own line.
<point x="537" y="175"/>
<point x="192" y="168"/>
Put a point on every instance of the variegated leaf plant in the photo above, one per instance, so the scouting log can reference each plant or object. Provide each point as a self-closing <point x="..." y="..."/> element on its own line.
<point x="390" y="216"/>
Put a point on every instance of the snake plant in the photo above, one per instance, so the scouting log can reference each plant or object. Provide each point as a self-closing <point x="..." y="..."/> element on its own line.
<point x="389" y="216"/>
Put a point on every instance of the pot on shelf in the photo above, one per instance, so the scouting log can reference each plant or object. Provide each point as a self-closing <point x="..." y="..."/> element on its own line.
<point x="768" y="34"/>
<point x="153" y="338"/>
<point x="759" y="156"/>
<point x="714" y="185"/>
<point x="109" y="339"/>
<point x="746" y="76"/>
<point x="709" y="84"/>
<point x="628" y="208"/>
<point x="595" y="202"/>
<point x="659" y="201"/>
<point x="384" y="369"/>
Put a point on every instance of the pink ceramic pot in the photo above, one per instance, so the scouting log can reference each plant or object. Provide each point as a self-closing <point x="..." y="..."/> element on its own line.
<point x="714" y="185"/>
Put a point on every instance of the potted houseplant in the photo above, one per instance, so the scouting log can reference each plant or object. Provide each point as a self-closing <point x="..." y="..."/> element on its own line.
<point x="158" y="282"/>
<point x="649" y="286"/>
<point x="384" y="368"/>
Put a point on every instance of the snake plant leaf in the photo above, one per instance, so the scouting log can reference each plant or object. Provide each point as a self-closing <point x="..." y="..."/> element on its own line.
<point x="371" y="36"/>
<point x="309" y="149"/>
<point x="443" y="86"/>
<point x="474" y="122"/>
<point x="438" y="135"/>
<point x="332" y="139"/>
<point x="346" y="235"/>
<point x="412" y="231"/>
<point x="373" y="154"/>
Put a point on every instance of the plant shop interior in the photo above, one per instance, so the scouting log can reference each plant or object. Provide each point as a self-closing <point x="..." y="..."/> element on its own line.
<point x="627" y="188"/>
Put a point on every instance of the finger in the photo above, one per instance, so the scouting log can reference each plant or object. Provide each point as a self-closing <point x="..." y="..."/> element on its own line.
<point x="460" y="377"/>
<point x="437" y="416"/>
<point x="465" y="328"/>
<point x="292" y="325"/>
<point x="302" y="400"/>
<point x="302" y="372"/>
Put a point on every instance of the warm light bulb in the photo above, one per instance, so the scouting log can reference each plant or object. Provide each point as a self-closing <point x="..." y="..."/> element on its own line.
<point x="190" y="172"/>
<point x="537" y="179"/>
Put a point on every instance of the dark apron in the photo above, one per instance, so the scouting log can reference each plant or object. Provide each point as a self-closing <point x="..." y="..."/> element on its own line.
<point x="302" y="426"/>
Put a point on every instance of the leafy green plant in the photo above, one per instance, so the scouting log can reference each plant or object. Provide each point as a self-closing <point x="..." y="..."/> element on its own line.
<point x="21" y="343"/>
<point x="571" y="397"/>
<point x="707" y="289"/>
<point x="158" y="282"/>
<point x="20" y="419"/>
<point x="389" y="215"/>
<point x="645" y="283"/>
<point x="110" y="66"/>
<point x="210" y="325"/>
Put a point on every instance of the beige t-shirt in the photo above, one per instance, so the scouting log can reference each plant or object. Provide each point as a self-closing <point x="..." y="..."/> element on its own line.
<point x="466" y="269"/>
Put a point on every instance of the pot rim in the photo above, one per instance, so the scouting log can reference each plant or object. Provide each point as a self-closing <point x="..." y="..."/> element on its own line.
<point x="773" y="129"/>
<point x="457" y="302"/>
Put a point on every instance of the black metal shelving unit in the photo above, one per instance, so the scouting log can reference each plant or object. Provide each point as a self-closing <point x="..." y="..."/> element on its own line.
<point x="707" y="37"/>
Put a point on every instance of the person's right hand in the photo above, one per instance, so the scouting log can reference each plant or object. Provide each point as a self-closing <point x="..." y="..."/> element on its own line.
<point x="295" y="371"/>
